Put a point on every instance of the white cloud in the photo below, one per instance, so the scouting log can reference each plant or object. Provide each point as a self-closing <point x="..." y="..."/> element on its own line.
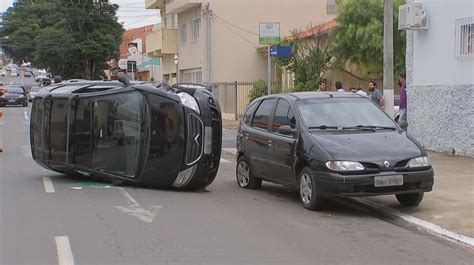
<point x="5" y="4"/>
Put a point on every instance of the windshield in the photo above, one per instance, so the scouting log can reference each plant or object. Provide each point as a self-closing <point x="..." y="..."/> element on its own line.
<point x="15" y="90"/>
<point x="339" y="113"/>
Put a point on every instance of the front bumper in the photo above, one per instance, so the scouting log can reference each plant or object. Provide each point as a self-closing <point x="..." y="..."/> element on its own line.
<point x="363" y="185"/>
<point x="16" y="101"/>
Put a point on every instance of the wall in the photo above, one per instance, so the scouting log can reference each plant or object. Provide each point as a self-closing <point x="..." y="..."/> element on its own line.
<point x="234" y="55"/>
<point x="440" y="85"/>
<point x="191" y="54"/>
<point x="129" y="35"/>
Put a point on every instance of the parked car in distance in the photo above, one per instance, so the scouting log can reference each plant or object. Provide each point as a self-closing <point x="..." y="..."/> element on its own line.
<point x="326" y="144"/>
<point x="14" y="95"/>
<point x="2" y="73"/>
<point x="27" y="74"/>
<point x="146" y="133"/>
<point x="14" y="73"/>
<point x="40" y="75"/>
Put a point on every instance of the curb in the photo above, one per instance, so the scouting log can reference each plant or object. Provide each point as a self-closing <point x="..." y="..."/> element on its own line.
<point x="428" y="227"/>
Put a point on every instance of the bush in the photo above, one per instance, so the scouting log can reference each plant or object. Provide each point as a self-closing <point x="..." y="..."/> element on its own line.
<point x="259" y="89"/>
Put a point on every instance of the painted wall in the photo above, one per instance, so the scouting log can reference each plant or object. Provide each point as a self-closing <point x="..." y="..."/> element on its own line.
<point x="434" y="59"/>
<point x="440" y="89"/>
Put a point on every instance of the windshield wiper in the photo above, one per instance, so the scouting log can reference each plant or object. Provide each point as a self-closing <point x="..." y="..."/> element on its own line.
<point x="369" y="127"/>
<point x="323" y="127"/>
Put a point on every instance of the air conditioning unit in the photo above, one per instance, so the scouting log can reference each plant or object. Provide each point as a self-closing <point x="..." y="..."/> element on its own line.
<point x="412" y="17"/>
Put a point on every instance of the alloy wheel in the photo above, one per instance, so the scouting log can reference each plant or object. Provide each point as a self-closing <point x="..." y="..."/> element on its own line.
<point x="306" y="191"/>
<point x="243" y="174"/>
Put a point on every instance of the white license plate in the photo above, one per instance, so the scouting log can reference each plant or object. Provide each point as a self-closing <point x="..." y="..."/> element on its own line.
<point x="386" y="181"/>
<point x="11" y="100"/>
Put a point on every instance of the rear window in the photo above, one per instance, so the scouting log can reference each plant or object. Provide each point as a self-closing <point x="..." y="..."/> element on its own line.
<point x="262" y="115"/>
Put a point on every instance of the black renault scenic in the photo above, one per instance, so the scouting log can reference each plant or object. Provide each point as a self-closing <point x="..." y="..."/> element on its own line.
<point x="329" y="144"/>
<point x="147" y="133"/>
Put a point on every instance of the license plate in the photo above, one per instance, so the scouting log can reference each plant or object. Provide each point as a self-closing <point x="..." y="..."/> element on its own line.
<point x="386" y="181"/>
<point x="11" y="100"/>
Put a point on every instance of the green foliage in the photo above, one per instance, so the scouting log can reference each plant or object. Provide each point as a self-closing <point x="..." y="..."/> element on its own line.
<point x="259" y="89"/>
<point x="358" y="36"/>
<point x="71" y="38"/>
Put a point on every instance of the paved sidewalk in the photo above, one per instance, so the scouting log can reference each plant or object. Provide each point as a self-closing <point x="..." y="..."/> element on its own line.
<point x="451" y="203"/>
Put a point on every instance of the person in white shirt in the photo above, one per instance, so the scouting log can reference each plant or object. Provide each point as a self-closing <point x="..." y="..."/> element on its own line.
<point x="362" y="92"/>
<point x="339" y="87"/>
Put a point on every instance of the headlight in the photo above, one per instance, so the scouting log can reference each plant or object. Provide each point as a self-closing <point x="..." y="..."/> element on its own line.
<point x="21" y="96"/>
<point x="344" y="166"/>
<point x="184" y="176"/>
<point x="421" y="161"/>
<point x="189" y="101"/>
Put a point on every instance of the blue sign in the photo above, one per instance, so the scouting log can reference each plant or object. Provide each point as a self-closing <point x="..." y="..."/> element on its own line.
<point x="280" y="51"/>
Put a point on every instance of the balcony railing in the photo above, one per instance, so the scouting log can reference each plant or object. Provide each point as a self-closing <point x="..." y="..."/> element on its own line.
<point x="162" y="41"/>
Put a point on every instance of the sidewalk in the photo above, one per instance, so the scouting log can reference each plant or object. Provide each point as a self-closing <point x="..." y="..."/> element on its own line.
<point x="451" y="203"/>
<point x="230" y="124"/>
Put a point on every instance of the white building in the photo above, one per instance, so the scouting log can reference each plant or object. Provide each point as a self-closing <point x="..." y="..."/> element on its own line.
<point x="440" y="77"/>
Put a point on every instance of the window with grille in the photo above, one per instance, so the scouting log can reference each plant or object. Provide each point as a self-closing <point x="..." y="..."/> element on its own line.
<point x="195" y="29"/>
<point x="183" y="35"/>
<point x="465" y="36"/>
<point x="331" y="7"/>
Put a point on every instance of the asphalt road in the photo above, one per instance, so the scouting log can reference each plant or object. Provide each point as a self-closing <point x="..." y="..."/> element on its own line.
<point x="48" y="218"/>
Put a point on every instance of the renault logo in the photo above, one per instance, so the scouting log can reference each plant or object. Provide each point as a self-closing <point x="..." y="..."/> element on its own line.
<point x="386" y="163"/>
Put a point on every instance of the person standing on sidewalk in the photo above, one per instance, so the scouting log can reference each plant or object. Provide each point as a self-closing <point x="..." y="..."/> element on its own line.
<point x="403" y="99"/>
<point x="339" y="87"/>
<point x="321" y="85"/>
<point x="375" y="94"/>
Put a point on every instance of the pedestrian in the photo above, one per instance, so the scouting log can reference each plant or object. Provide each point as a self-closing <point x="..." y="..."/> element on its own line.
<point x="339" y="87"/>
<point x="353" y="90"/>
<point x="321" y="85"/>
<point x="376" y="94"/>
<point x="57" y="79"/>
<point x="403" y="98"/>
<point x="361" y="92"/>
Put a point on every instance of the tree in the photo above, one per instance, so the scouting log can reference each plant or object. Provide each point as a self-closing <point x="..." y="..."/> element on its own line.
<point x="310" y="58"/>
<point x="72" y="38"/>
<point x="358" y="36"/>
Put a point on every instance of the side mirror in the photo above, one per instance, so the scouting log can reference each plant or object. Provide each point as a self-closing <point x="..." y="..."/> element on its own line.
<point x="286" y="130"/>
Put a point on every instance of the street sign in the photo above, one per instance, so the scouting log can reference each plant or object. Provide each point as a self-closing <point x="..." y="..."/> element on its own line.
<point x="122" y="63"/>
<point x="132" y="66"/>
<point x="280" y="51"/>
<point x="269" y="33"/>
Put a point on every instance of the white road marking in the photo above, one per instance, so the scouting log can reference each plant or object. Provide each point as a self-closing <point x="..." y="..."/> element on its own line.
<point x="26" y="115"/>
<point x="233" y="151"/>
<point x="133" y="208"/>
<point x="63" y="247"/>
<point x="427" y="226"/>
<point x="224" y="160"/>
<point x="26" y="151"/>
<point x="48" y="185"/>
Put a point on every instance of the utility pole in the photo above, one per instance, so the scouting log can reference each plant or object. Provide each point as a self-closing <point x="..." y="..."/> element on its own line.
<point x="388" y="57"/>
<point x="208" y="13"/>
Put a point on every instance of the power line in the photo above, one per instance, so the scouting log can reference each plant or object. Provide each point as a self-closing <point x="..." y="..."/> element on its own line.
<point x="235" y="26"/>
<point x="241" y="37"/>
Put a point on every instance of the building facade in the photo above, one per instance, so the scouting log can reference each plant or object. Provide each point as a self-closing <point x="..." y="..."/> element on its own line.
<point x="217" y="40"/>
<point x="440" y="77"/>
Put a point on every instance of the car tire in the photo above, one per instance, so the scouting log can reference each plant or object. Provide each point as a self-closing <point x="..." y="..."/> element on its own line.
<point x="245" y="176"/>
<point x="307" y="190"/>
<point x="410" y="199"/>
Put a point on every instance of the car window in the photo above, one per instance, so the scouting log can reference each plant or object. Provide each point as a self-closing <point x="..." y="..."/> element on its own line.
<point x="58" y="129"/>
<point x="247" y="118"/>
<point x="262" y="115"/>
<point x="37" y="125"/>
<point x="117" y="130"/>
<point x="281" y="115"/>
<point x="342" y="112"/>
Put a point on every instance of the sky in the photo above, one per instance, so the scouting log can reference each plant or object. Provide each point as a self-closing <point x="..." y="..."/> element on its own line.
<point x="131" y="12"/>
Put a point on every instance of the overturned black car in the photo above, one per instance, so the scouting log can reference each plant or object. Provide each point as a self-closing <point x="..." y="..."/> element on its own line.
<point x="147" y="133"/>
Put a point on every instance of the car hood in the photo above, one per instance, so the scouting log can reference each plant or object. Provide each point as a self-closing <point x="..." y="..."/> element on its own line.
<point x="10" y="95"/>
<point x="368" y="147"/>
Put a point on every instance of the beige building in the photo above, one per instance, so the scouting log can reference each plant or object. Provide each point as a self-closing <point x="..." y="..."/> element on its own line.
<point x="216" y="40"/>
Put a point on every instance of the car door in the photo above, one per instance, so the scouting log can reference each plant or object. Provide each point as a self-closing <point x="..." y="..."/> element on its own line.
<point x="117" y="134"/>
<point x="256" y="143"/>
<point x="281" y="150"/>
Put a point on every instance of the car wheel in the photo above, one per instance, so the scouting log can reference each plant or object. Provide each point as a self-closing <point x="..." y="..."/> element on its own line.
<point x="307" y="190"/>
<point x="410" y="199"/>
<point x="245" y="177"/>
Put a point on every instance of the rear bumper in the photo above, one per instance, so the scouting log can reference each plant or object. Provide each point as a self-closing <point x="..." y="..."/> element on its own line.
<point x="363" y="185"/>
